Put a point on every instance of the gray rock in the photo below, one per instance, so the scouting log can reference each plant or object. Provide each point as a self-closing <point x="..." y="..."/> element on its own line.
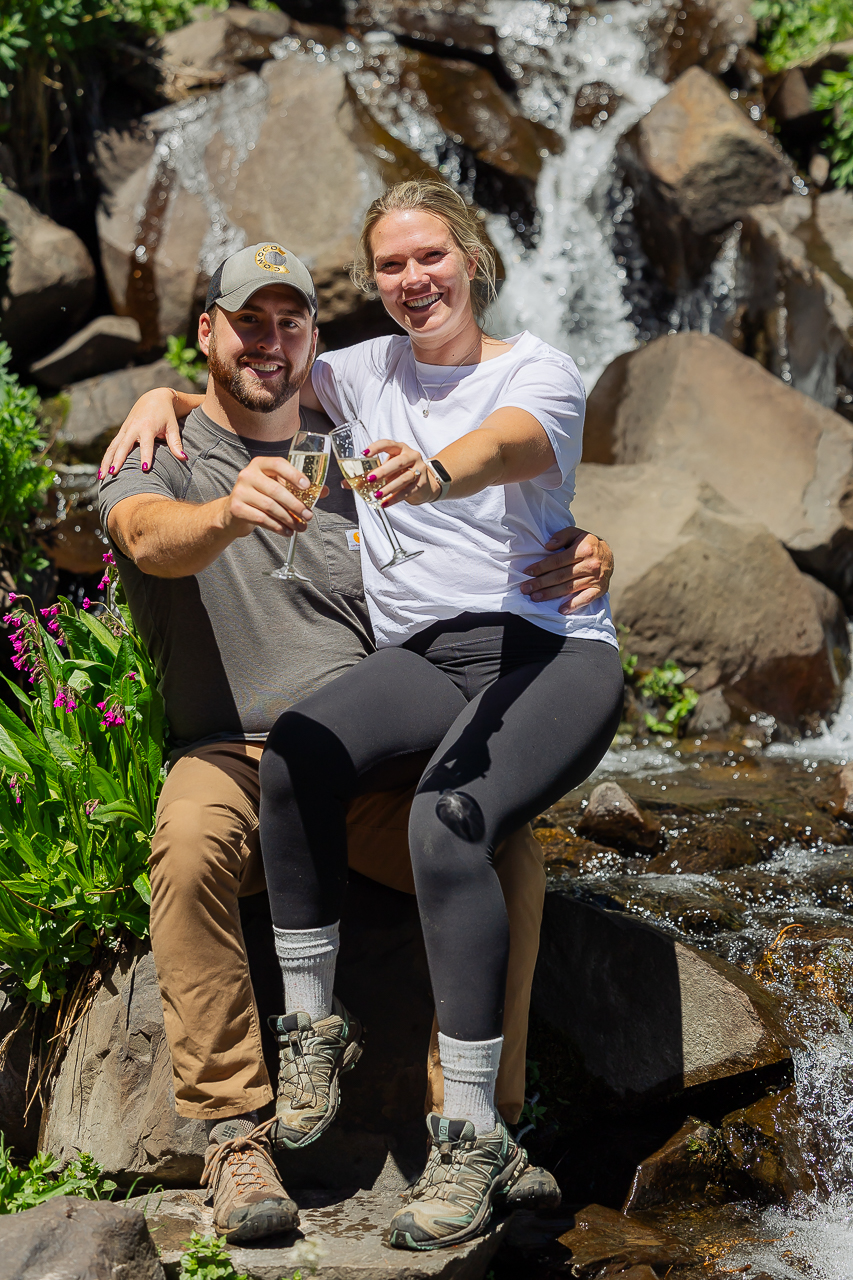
<point x="106" y="343"/>
<point x="646" y="1014"/>
<point x="51" y="279"/>
<point x="68" y="1238"/>
<point x="697" y="582"/>
<point x="801" y="311"/>
<point x="102" y="404"/>
<point x="215" y="46"/>
<point x="341" y="1239"/>
<point x="711" y="712"/>
<point x="692" y="402"/>
<point x="833" y="213"/>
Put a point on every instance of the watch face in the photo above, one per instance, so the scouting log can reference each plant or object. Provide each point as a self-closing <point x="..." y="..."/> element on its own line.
<point x="441" y="470"/>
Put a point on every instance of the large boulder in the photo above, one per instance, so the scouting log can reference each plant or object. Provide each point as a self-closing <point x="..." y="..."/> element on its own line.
<point x="267" y="157"/>
<point x="646" y="1015"/>
<point x="51" y="279"/>
<point x="692" y="402"/>
<point x="696" y="164"/>
<point x="105" y="344"/>
<point x="68" y="1238"/>
<point x="218" y="45"/>
<point x="101" y="404"/>
<point x="698" y="583"/>
<point x="797" y="317"/>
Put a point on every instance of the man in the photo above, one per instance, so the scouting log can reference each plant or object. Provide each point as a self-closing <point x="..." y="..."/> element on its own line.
<point x="197" y="539"/>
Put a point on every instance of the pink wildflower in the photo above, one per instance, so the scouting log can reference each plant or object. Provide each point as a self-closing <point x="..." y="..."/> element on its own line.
<point x="12" y="597"/>
<point x="91" y="806"/>
<point x="108" y="557"/>
<point x="87" y="603"/>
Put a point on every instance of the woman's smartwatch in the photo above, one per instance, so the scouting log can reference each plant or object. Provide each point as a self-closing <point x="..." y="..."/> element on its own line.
<point x="442" y="475"/>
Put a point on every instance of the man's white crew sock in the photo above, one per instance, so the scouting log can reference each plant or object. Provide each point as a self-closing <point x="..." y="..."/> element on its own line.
<point x="470" y="1070"/>
<point x="307" y="958"/>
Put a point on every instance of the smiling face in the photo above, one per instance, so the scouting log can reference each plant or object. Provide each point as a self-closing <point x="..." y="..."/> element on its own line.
<point x="261" y="354"/>
<point x="422" y="275"/>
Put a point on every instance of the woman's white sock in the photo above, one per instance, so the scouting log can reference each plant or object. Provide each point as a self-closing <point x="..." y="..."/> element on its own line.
<point x="307" y="958"/>
<point x="470" y="1070"/>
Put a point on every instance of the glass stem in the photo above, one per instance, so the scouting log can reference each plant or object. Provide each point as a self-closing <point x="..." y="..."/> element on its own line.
<point x="291" y="551"/>
<point x="392" y="537"/>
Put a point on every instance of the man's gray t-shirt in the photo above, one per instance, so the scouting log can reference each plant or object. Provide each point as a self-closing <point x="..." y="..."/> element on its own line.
<point x="235" y="648"/>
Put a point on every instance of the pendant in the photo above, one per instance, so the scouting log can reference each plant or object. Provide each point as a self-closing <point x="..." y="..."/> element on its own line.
<point x="426" y="413"/>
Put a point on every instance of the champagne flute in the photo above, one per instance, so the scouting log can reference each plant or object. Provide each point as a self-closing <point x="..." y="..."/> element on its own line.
<point x="349" y="442"/>
<point x="309" y="453"/>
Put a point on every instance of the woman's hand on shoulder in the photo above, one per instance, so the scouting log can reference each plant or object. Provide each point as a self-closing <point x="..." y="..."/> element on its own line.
<point x="579" y="569"/>
<point x="152" y="418"/>
<point x="405" y="477"/>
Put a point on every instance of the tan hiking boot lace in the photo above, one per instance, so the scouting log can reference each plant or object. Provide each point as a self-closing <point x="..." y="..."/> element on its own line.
<point x="242" y="1158"/>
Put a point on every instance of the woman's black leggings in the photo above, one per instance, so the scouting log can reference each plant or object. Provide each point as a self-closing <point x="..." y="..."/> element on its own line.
<point x="498" y="718"/>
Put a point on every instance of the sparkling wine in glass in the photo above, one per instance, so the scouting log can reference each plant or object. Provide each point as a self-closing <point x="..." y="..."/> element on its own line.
<point x="309" y="453"/>
<point x="349" y="442"/>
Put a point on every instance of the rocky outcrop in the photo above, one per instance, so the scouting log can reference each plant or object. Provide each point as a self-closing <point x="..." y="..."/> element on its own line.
<point x="101" y="404"/>
<point x="704" y="32"/>
<point x="797" y="317"/>
<point x="219" y="174"/>
<point x="78" y="1240"/>
<point x="51" y="279"/>
<point x="692" y="402"/>
<point x="698" y="583"/>
<point x="19" y="1126"/>
<point x="217" y="46"/>
<point x="647" y="1015"/>
<point x="696" y="164"/>
<point x="105" y="344"/>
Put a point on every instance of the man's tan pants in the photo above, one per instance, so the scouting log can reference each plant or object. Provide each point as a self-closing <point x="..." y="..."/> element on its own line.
<point x="206" y="854"/>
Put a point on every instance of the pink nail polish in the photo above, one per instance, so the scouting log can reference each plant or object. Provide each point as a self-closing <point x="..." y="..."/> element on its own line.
<point x="112" y="470"/>
<point x="185" y="457"/>
<point x="378" y="494"/>
<point x="100" y="477"/>
<point x="371" y="477"/>
<point x="145" y="466"/>
<point x="365" y="453"/>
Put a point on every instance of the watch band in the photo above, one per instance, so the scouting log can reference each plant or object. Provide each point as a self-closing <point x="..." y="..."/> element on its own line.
<point x="442" y="475"/>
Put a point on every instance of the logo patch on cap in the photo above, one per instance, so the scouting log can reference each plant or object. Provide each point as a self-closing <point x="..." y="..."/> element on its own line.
<point x="273" y="258"/>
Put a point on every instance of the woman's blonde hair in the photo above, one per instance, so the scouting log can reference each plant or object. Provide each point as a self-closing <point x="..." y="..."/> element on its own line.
<point x="429" y="195"/>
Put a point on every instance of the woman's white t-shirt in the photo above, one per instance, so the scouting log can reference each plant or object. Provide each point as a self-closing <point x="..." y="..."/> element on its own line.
<point x="474" y="549"/>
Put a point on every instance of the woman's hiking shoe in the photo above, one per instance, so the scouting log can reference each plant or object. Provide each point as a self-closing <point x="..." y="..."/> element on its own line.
<point x="312" y="1057"/>
<point x="452" y="1200"/>
<point x="535" y="1189"/>
<point x="248" y="1198"/>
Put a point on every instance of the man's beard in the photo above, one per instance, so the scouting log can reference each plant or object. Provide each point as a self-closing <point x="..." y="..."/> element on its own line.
<point x="260" y="397"/>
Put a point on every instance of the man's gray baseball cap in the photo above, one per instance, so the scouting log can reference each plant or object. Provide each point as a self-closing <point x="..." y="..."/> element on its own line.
<point x="238" y="277"/>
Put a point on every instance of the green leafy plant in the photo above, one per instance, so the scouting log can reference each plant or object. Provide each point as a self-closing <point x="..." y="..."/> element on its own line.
<point x="24" y="474"/>
<point x="835" y="95"/>
<point x="79" y="778"/>
<point x="792" y="31"/>
<point x="24" y="1186"/>
<point x="206" y="1258"/>
<point x="667" y="684"/>
<point x="185" y="359"/>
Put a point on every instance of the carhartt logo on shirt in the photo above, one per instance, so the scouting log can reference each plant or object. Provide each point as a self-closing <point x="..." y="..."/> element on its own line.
<point x="353" y="539"/>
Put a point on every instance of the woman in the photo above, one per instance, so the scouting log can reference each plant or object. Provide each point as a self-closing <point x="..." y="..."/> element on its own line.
<point x="498" y="702"/>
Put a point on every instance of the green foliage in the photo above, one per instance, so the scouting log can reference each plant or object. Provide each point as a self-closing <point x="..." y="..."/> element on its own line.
<point x="24" y="475"/>
<point x="835" y="95"/>
<point x="666" y="684"/>
<point x="23" y="1187"/>
<point x="793" y="30"/>
<point x="79" y="779"/>
<point x="206" y="1258"/>
<point x="185" y="359"/>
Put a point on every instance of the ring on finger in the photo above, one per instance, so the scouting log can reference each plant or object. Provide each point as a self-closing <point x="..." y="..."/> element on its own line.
<point x="417" y="473"/>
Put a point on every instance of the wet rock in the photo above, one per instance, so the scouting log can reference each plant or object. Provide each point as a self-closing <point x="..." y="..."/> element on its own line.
<point x="465" y="26"/>
<point x="75" y="542"/>
<point x="694" y="580"/>
<point x="223" y="177"/>
<point x="105" y="344"/>
<point x="614" y="819"/>
<point x="217" y="46"/>
<point x="707" y="846"/>
<point x="595" y="103"/>
<point x="704" y="32"/>
<point x="340" y="1238"/>
<point x="840" y="799"/>
<point x="658" y="1016"/>
<point x="692" y="402"/>
<point x="696" y="164"/>
<point x="798" y="317"/>
<point x="51" y="278"/>
<point x="711" y="713"/>
<point x="811" y="962"/>
<point x="764" y="1144"/>
<point x="601" y="1236"/>
<point x="78" y="1240"/>
<point x="101" y="404"/>
<point x="681" y="1170"/>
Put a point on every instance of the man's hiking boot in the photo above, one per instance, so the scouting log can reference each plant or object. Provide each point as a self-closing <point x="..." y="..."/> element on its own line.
<point x="248" y="1198"/>
<point x="535" y="1189"/>
<point x="452" y="1200"/>
<point x="312" y="1057"/>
